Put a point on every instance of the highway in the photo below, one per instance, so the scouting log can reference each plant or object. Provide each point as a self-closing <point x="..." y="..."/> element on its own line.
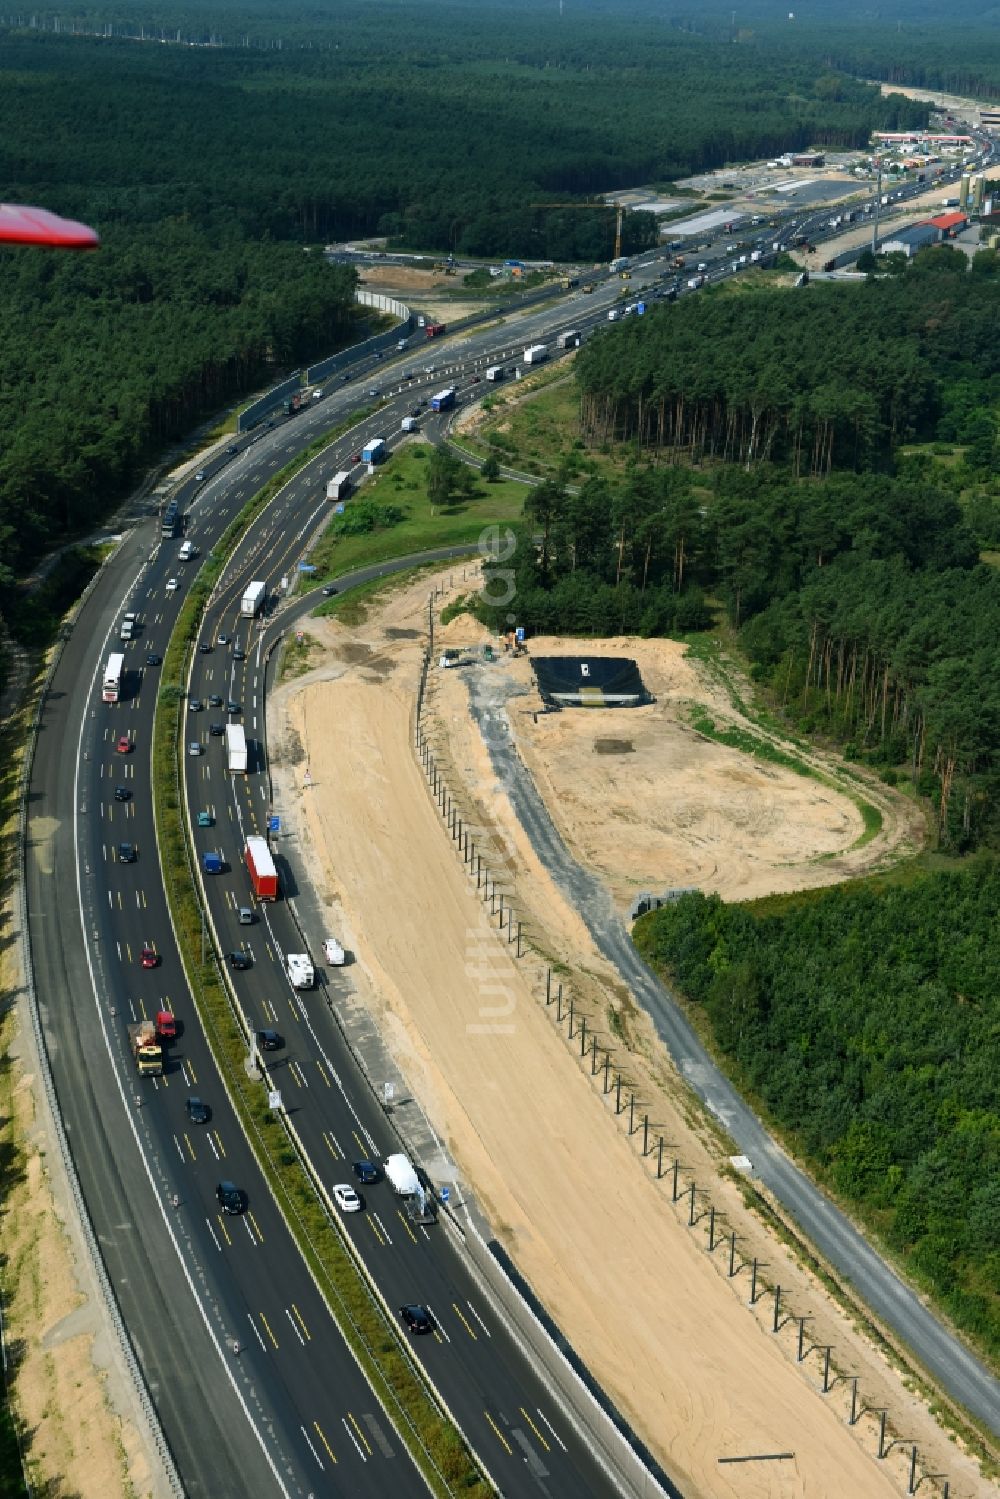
<point x="290" y="1408"/>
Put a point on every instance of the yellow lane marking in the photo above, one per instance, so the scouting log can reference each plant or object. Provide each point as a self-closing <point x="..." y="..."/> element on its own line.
<point x="464" y="1321"/>
<point x="534" y="1428"/>
<point x="253" y="1220"/>
<point x="374" y="1228"/>
<point x="298" y="1317"/>
<point x="225" y="1231"/>
<point x="499" y="1434"/>
<point x="319" y="1432"/>
<point x="361" y="1435"/>
<point x="190" y="1147"/>
<point x="267" y="1329"/>
<point x="409" y="1230"/>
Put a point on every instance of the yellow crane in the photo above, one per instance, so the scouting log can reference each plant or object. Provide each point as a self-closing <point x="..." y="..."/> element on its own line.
<point x="619" y="219"/>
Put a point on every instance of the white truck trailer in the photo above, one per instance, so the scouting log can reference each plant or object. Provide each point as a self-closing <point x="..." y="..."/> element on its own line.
<point x="253" y="598"/>
<point x="236" y="748"/>
<point x="339" y="487"/>
<point x="298" y="966"/>
<point x="536" y="353"/>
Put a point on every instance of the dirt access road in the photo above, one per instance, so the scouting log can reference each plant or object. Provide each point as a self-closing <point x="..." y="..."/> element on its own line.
<point x="655" y="1317"/>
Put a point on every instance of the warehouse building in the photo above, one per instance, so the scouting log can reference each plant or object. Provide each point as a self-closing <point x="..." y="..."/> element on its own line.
<point x="950" y="224"/>
<point x="908" y="241"/>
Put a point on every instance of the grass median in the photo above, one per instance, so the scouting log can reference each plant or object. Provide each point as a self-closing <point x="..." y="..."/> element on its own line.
<point x="433" y="1440"/>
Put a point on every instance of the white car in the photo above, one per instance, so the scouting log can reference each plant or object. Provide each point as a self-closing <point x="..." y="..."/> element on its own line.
<point x="333" y="952"/>
<point x="172" y="585"/>
<point x="347" y="1199"/>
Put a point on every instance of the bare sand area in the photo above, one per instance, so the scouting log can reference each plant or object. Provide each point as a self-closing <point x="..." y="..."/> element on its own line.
<point x="650" y="803"/>
<point x="426" y="289"/>
<point x="699" y="1374"/>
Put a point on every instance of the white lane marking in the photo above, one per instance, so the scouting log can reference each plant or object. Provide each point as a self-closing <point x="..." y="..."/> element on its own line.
<point x="312" y="1449"/>
<point x="215" y="1237"/>
<point x="382" y="1226"/>
<point x="353" y="1438"/>
<point x="437" y="1323"/>
<point x="292" y="1324"/>
<point x="555" y="1438"/>
<point x="257" y="1335"/>
<point x="180" y="1150"/>
<point x="478" y="1318"/>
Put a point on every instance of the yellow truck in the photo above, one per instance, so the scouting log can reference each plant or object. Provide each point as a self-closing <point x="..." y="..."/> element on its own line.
<point x="146" y="1048"/>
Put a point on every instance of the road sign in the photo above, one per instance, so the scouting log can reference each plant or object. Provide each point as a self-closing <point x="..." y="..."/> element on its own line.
<point x="519" y="634"/>
<point x="445" y="1193"/>
<point x="274" y="824"/>
<point x="641" y="308"/>
<point x="306" y="567"/>
<point x="284" y="585"/>
<point x="274" y="1100"/>
<point x="338" y="509"/>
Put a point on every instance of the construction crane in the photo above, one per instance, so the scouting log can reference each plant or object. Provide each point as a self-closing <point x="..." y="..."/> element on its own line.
<point x="619" y="211"/>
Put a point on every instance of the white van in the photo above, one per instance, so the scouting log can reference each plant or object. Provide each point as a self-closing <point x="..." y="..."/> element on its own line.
<point x="187" y="551"/>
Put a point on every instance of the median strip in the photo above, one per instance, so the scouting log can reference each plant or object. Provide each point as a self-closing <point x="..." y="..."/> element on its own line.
<point x="432" y="1438"/>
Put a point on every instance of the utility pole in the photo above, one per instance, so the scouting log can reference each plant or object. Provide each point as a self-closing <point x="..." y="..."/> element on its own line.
<point x="878" y="204"/>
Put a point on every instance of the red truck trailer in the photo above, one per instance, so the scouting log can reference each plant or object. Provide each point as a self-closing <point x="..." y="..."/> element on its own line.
<point x="434" y="330"/>
<point x="263" y="875"/>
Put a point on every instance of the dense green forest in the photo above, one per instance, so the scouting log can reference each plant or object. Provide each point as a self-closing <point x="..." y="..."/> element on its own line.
<point x="107" y="358"/>
<point x="829" y="377"/>
<point x="867" y="1020"/>
<point x="204" y="166"/>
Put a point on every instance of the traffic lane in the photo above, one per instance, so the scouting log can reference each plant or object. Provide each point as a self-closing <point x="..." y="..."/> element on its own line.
<point x="327" y="1388"/>
<point x="300" y="1305"/>
<point x="204" y="1422"/>
<point x="489" y="1388"/>
<point x="507" y="1410"/>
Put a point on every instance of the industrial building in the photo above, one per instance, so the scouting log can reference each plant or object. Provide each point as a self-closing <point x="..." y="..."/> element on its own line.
<point x="950" y="224"/>
<point x="908" y="241"/>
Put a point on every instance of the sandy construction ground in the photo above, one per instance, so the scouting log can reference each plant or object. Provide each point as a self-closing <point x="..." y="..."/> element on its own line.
<point x="699" y="1373"/>
<point x="649" y="803"/>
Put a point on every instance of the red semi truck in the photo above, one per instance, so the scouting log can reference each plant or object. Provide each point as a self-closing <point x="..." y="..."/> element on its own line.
<point x="263" y="875"/>
<point x="434" y="330"/>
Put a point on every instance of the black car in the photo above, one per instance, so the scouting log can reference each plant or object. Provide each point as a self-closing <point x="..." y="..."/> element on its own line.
<point x="153" y="659"/>
<point x="216" y="730"/>
<point x="206" y="647"/>
<point x="329" y="590"/>
<point x="366" y="1172"/>
<point x="232" y="706"/>
<point x="240" y="961"/>
<point x="126" y="853"/>
<point x="238" y="653"/>
<point x="122" y="794"/>
<point x="269" y="1040"/>
<point x="197" y="1112"/>
<point x="214" y="701"/>
<point x="417" y="1318"/>
<point x="230" y="1198"/>
<point x="232" y="448"/>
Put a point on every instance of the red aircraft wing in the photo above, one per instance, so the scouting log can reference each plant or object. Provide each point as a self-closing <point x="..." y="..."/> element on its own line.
<point x="22" y="225"/>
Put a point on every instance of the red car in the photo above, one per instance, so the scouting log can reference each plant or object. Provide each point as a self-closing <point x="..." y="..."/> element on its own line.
<point x="150" y="957"/>
<point x="124" y="745"/>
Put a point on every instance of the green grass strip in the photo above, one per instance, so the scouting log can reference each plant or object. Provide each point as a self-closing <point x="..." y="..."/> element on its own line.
<point x="435" y="1443"/>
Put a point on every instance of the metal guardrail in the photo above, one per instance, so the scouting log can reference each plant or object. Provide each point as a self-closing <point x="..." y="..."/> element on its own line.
<point x="155" y="1432"/>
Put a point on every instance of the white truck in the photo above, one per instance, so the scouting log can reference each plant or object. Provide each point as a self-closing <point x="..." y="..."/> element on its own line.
<point x="400" y="1175"/>
<point x="536" y="353"/>
<point x="339" y="487"/>
<point x="568" y="340"/>
<point x="187" y="551"/>
<point x="236" y="748"/>
<point x="130" y="623"/>
<point x="298" y="966"/>
<point x="494" y="372"/>
<point x="410" y="424"/>
<point x="253" y="599"/>
<point x="333" y="952"/>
